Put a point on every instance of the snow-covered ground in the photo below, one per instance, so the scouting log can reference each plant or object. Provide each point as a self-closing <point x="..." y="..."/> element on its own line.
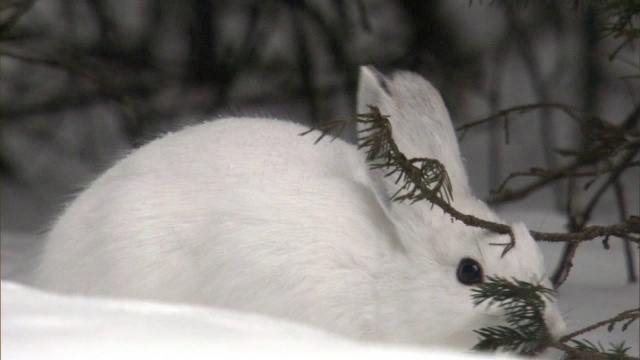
<point x="38" y="325"/>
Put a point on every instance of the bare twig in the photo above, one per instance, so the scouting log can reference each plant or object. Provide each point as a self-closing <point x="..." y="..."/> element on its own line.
<point x="611" y="140"/>
<point x="101" y="83"/>
<point x="623" y="229"/>
<point x="549" y="176"/>
<point x="541" y="173"/>
<point x="628" y="251"/>
<point x="613" y="177"/>
<point x="20" y="8"/>
<point x="572" y="112"/>
<point x="566" y="263"/>
<point x="627" y="316"/>
<point x="561" y="173"/>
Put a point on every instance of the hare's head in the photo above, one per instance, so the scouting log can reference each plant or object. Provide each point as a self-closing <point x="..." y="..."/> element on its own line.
<point x="445" y="257"/>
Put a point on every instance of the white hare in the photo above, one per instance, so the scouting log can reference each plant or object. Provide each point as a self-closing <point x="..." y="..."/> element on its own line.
<point x="244" y="213"/>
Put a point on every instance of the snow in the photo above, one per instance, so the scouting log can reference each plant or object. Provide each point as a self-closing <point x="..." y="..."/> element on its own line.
<point x="40" y="325"/>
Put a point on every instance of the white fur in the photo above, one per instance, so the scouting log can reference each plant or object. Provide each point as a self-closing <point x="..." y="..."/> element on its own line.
<point x="244" y="213"/>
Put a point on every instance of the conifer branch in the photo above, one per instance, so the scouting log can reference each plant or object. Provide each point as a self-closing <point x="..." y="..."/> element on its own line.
<point x="526" y="331"/>
<point x="421" y="178"/>
<point x="524" y="306"/>
<point x="585" y="349"/>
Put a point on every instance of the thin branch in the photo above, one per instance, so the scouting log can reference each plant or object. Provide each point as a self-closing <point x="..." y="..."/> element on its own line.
<point x="551" y="176"/>
<point x="628" y="251"/>
<point x="572" y="112"/>
<point x="20" y="8"/>
<point x="101" y="83"/>
<point x="135" y="119"/>
<point x="613" y="177"/>
<point x="612" y="139"/>
<point x="623" y="229"/>
<point x="629" y="315"/>
<point x="506" y="196"/>
<point x="561" y="275"/>
<point x="541" y="173"/>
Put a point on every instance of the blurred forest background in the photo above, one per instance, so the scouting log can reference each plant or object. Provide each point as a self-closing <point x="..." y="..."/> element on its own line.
<point x="82" y="82"/>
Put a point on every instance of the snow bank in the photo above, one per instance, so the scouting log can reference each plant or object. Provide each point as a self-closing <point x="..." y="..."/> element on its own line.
<point x="40" y="325"/>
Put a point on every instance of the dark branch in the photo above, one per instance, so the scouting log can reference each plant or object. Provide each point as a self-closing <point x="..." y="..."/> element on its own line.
<point x="626" y="316"/>
<point x="622" y="230"/>
<point x="521" y="109"/>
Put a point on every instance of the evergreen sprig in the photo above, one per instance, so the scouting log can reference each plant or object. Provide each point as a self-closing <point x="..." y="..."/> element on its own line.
<point x="524" y="306"/>
<point x="586" y="347"/>
<point x="419" y="178"/>
<point x="526" y="331"/>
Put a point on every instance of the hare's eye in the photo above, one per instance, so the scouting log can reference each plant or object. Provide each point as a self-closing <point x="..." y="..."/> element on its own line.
<point x="469" y="272"/>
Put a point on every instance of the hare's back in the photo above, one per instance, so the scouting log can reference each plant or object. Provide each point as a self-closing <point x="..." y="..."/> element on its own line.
<point x="237" y="147"/>
<point x="221" y="209"/>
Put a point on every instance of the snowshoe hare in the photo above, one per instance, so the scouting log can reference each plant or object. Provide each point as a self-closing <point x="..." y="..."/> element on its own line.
<point x="244" y="213"/>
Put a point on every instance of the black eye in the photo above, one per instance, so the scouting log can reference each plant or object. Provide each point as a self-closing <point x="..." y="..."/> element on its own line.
<point x="469" y="272"/>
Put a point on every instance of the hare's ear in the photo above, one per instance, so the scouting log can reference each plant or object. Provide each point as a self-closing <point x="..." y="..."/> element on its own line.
<point x="372" y="89"/>
<point x="419" y="120"/>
